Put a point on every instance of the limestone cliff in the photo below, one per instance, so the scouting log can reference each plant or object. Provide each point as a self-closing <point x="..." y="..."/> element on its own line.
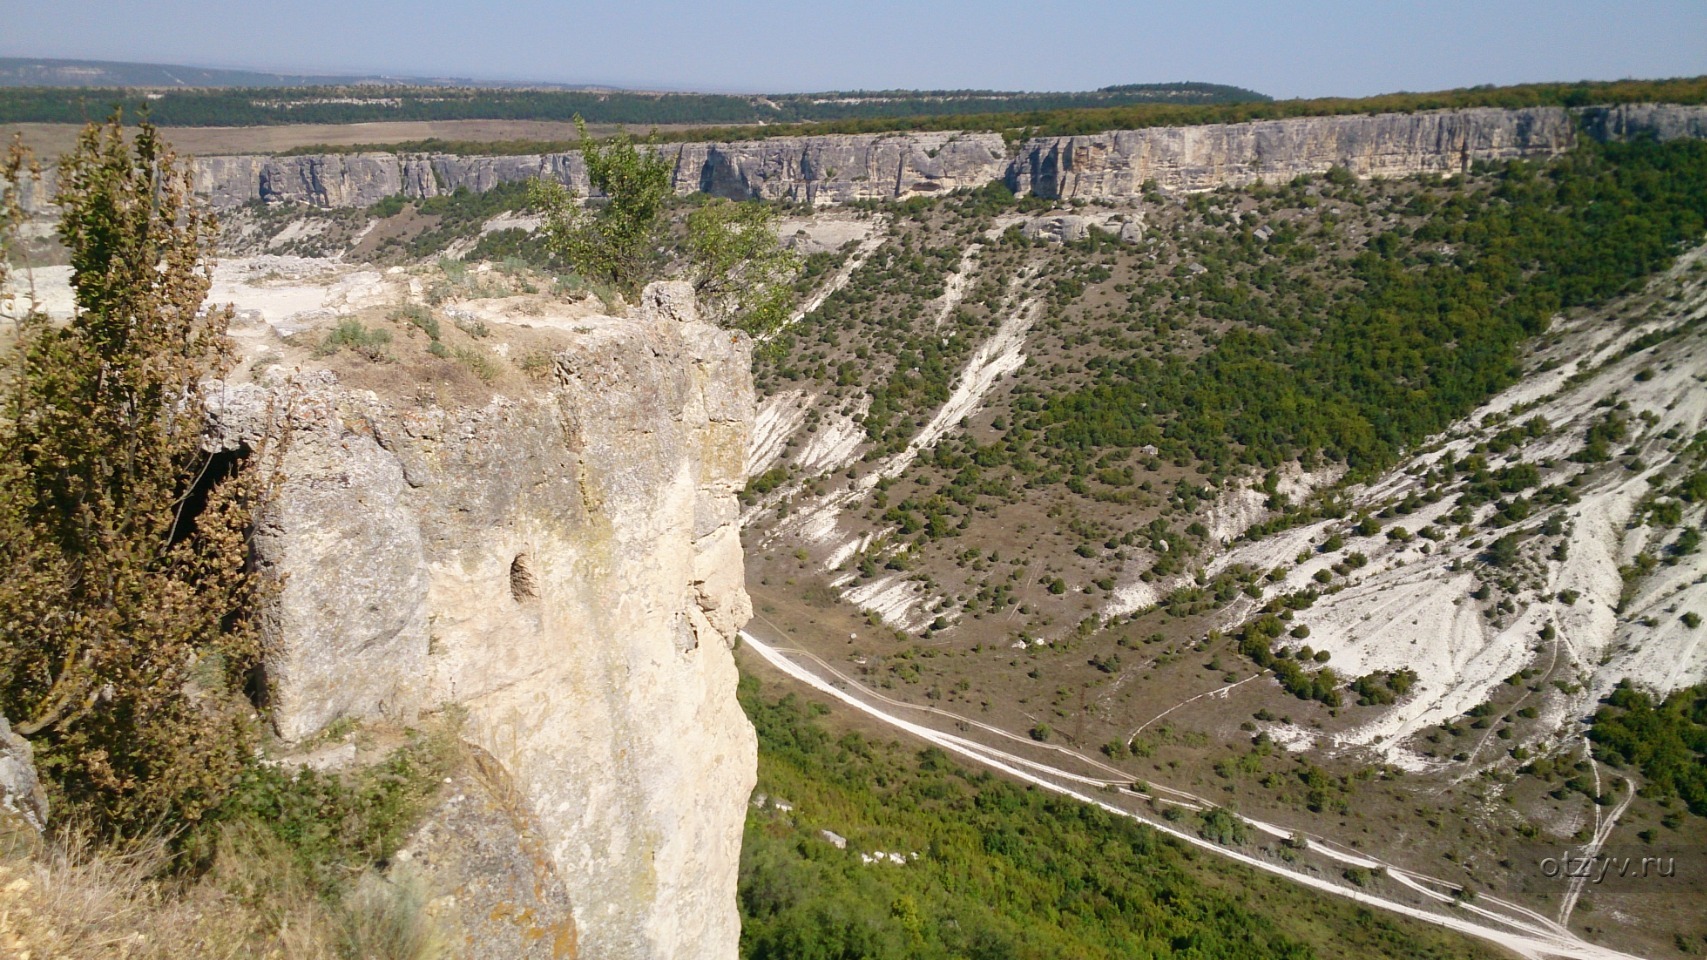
<point x="836" y="169"/>
<point x="890" y="166"/>
<point x="1118" y="163"/>
<point x="565" y="566"/>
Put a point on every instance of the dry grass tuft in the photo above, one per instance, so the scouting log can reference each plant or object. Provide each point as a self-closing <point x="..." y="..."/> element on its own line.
<point x="73" y="901"/>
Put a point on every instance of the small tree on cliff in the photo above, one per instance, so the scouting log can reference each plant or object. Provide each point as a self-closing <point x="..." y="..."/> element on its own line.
<point x="730" y="250"/>
<point x="621" y="242"/>
<point x="123" y="597"/>
<point x="738" y="269"/>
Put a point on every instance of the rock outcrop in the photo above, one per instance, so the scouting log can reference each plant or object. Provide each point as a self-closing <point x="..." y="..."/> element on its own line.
<point x="843" y="167"/>
<point x="837" y="169"/>
<point x="22" y="800"/>
<point x="567" y="568"/>
<point x="1658" y="120"/>
<point x="1119" y="163"/>
<point x="1070" y="228"/>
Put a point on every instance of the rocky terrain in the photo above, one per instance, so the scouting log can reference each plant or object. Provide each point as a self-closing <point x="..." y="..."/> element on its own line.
<point x="551" y="551"/>
<point x="981" y="472"/>
<point x="579" y="601"/>
<point x="840" y="168"/>
<point x="959" y="504"/>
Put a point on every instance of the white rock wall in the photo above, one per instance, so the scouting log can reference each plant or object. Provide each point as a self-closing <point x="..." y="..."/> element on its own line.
<point x="567" y="568"/>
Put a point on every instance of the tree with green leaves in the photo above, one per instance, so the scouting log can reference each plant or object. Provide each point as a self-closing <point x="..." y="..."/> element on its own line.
<point x="730" y="251"/>
<point x="619" y="242"/>
<point x="125" y="632"/>
<point x="738" y="269"/>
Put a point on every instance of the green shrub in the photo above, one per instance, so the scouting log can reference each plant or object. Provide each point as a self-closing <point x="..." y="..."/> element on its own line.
<point x="1218" y="825"/>
<point x="335" y="824"/>
<point x="478" y="362"/>
<point x="353" y="334"/>
<point x="473" y="327"/>
<point x="418" y="316"/>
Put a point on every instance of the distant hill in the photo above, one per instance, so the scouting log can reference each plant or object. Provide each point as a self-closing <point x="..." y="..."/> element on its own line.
<point x="37" y="72"/>
<point x="69" y="91"/>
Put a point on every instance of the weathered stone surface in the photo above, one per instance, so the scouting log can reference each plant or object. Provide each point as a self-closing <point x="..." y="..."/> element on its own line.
<point x="565" y="566"/>
<point x="839" y="168"/>
<point x="1117" y="164"/>
<point x="481" y="851"/>
<point x="1662" y="121"/>
<point x="843" y="167"/>
<point x="1068" y="228"/>
<point x="21" y="796"/>
<point x="669" y="300"/>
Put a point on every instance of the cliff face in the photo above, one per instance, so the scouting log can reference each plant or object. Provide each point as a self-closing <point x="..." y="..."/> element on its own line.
<point x="1662" y="121"/>
<point x="831" y="169"/>
<point x="836" y="169"/>
<point x="565" y="567"/>
<point x="1200" y="158"/>
<point x="840" y="168"/>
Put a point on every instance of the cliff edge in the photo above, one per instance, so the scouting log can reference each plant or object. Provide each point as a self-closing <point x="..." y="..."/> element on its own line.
<point x="566" y="568"/>
<point x="838" y="168"/>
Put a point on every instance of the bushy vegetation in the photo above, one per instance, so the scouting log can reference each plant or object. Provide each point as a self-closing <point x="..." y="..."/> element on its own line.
<point x="125" y="636"/>
<point x="358" y="337"/>
<point x="1392" y="342"/>
<point x="454" y="215"/>
<point x="1666" y="740"/>
<point x="333" y="826"/>
<point x="1374" y="689"/>
<point x="1256" y="641"/>
<point x="729" y="252"/>
<point x="1001" y="870"/>
<point x="288" y="865"/>
<point x="619" y="243"/>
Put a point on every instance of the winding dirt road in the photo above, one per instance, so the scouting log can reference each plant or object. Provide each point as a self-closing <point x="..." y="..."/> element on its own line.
<point x="1512" y="926"/>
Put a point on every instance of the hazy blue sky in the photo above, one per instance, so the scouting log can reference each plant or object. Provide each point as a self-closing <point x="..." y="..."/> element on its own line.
<point x="1288" y="49"/>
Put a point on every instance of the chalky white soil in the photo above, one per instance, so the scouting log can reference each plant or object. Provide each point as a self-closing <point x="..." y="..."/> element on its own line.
<point x="1408" y="608"/>
<point x="835" y="444"/>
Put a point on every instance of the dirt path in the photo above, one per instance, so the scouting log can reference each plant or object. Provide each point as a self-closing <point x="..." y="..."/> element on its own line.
<point x="1220" y="692"/>
<point x="1509" y="925"/>
<point x="1602" y="829"/>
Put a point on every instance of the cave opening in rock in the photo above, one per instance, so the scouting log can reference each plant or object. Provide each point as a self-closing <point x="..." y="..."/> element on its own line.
<point x="196" y="499"/>
<point x="523" y="587"/>
<point x="220" y="466"/>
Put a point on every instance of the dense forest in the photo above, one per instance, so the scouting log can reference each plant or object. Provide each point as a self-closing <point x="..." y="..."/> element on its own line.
<point x="362" y="103"/>
<point x="993" y="870"/>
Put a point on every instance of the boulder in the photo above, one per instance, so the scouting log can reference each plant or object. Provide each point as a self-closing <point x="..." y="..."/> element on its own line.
<point x="22" y="799"/>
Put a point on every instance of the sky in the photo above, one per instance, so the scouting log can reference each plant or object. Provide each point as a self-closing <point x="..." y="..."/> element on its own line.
<point x="1302" y="48"/>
